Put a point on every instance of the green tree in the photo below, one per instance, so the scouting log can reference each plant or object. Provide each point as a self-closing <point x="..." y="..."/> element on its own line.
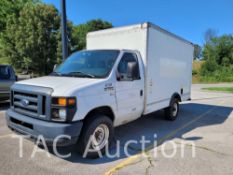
<point x="218" y="56"/>
<point x="219" y="50"/>
<point x="11" y="7"/>
<point x="79" y="32"/>
<point x="7" y="9"/>
<point x="30" y="35"/>
<point x="30" y="40"/>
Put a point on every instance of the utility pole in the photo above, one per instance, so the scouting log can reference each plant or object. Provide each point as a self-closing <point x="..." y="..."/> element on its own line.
<point x="64" y="30"/>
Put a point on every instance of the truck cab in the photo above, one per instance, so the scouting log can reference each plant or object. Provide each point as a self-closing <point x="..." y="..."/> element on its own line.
<point x="106" y="83"/>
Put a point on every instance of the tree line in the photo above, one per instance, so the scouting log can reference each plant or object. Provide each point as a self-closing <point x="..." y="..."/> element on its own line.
<point x="30" y="40"/>
<point x="218" y="58"/>
<point x="30" y="35"/>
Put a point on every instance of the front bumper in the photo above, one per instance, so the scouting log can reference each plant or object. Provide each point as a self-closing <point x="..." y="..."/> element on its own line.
<point x="49" y="130"/>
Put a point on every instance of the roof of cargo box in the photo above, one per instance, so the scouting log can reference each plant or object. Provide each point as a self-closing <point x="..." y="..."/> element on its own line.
<point x="142" y="25"/>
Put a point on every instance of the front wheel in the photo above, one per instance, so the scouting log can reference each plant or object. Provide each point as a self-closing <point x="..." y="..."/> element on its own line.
<point x="96" y="136"/>
<point x="171" y="113"/>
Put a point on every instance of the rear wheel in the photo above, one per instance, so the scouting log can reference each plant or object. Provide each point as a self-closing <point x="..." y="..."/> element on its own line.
<point x="171" y="113"/>
<point x="97" y="134"/>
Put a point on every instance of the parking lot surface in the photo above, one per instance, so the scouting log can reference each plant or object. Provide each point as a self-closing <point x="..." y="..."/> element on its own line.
<point x="202" y="137"/>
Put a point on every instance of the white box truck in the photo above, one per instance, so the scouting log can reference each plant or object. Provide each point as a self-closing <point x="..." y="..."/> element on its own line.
<point x="125" y="73"/>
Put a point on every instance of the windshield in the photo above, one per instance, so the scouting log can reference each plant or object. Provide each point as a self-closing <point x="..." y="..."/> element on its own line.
<point x="4" y="72"/>
<point x="91" y="64"/>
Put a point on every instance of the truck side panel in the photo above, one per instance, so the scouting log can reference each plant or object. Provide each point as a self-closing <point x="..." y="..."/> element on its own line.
<point x="169" y="69"/>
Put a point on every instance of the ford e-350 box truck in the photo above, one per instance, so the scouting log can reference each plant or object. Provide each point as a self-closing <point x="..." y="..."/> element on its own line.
<point x="125" y="73"/>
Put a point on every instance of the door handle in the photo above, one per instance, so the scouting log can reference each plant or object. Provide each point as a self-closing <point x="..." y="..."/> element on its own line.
<point x="141" y="93"/>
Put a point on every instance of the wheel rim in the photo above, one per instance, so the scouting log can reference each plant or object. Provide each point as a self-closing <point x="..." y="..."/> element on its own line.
<point x="174" y="109"/>
<point x="100" y="137"/>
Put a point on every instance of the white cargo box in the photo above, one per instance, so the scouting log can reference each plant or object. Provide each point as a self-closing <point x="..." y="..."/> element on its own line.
<point x="167" y="59"/>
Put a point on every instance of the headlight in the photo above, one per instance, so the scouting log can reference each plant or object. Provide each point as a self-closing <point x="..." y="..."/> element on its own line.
<point x="63" y="108"/>
<point x="62" y="114"/>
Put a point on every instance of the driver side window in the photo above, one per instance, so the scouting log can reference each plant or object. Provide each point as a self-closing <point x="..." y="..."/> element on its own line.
<point x="123" y="66"/>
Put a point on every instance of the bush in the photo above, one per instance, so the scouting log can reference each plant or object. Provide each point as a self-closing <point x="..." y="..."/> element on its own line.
<point x="218" y="56"/>
<point x="194" y="72"/>
<point x="222" y="74"/>
<point x="208" y="68"/>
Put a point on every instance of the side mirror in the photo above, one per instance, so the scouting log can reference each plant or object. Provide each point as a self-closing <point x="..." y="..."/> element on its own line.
<point x="118" y="76"/>
<point x="132" y="70"/>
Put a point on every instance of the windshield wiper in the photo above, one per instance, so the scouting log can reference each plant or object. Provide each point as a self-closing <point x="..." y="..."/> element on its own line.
<point x="79" y="72"/>
<point x="56" y="73"/>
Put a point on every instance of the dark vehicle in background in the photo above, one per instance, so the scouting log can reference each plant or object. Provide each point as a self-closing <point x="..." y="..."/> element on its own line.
<point x="7" y="78"/>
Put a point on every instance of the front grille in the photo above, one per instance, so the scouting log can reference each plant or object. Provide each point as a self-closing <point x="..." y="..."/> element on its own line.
<point x="29" y="104"/>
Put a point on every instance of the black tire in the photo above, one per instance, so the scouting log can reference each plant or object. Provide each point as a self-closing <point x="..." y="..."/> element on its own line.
<point x="170" y="114"/>
<point x="88" y="130"/>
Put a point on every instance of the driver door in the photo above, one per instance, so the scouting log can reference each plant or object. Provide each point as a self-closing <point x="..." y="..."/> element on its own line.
<point x="129" y="92"/>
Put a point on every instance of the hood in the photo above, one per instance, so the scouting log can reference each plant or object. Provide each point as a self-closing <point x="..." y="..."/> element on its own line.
<point x="61" y="85"/>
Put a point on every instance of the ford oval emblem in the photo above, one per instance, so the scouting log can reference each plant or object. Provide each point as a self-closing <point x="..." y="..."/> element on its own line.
<point x="24" y="102"/>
